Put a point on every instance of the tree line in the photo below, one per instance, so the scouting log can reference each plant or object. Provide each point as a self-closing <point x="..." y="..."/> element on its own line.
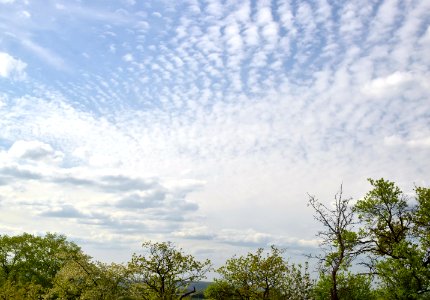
<point x="375" y="248"/>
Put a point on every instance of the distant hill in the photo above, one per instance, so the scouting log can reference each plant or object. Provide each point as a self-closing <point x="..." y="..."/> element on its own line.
<point x="200" y="288"/>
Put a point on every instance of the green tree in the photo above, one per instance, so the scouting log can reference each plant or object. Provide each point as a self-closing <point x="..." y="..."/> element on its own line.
<point x="338" y="239"/>
<point x="80" y="278"/>
<point x="33" y="260"/>
<point x="395" y="231"/>
<point x="422" y="222"/>
<point x="297" y="284"/>
<point x="20" y="291"/>
<point x="260" y="276"/>
<point x="350" y="287"/>
<point x="220" y="289"/>
<point x="75" y="278"/>
<point x="164" y="272"/>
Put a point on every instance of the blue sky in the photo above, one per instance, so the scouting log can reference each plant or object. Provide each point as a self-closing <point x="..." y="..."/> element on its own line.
<point x="206" y="123"/>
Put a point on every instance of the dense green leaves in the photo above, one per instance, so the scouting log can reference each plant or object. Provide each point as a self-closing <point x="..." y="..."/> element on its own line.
<point x="422" y="220"/>
<point x="386" y="217"/>
<point x="29" y="263"/>
<point x="164" y="272"/>
<point x="81" y="278"/>
<point x="50" y="267"/>
<point x="259" y="276"/>
<point x="349" y="287"/>
<point x="395" y="228"/>
<point x="392" y="240"/>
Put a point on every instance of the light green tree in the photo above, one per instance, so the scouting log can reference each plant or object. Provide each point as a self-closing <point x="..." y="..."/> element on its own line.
<point x="395" y="228"/>
<point x="349" y="286"/>
<point x="164" y="272"/>
<point x="261" y="276"/>
<point x="80" y="278"/>
<point x="29" y="263"/>
<point x="422" y="221"/>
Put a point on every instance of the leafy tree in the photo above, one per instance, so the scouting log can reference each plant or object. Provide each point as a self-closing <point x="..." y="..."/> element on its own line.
<point x="259" y="276"/>
<point x="297" y="284"/>
<point x="220" y="289"/>
<point x="80" y="278"/>
<point x="33" y="260"/>
<point x="386" y="217"/>
<point x="422" y="222"/>
<point x="164" y="272"/>
<point x="338" y="239"/>
<point x="74" y="278"/>
<point x="349" y="287"/>
<point x="396" y="233"/>
<point x="22" y="291"/>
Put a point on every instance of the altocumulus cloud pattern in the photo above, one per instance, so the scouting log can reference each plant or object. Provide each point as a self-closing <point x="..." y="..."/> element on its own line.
<point x="205" y="122"/>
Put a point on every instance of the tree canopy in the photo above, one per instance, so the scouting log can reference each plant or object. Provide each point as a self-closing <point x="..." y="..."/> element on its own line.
<point x="164" y="272"/>
<point x="261" y="276"/>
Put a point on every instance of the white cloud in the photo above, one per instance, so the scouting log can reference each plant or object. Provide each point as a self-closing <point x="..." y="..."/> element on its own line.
<point x="389" y="85"/>
<point x="214" y="8"/>
<point x="385" y="20"/>
<point x="198" y="232"/>
<point x="249" y="236"/>
<point x="264" y="15"/>
<point x="251" y="35"/>
<point x="418" y="142"/>
<point x="11" y="67"/>
<point x="128" y="57"/>
<point x="35" y="151"/>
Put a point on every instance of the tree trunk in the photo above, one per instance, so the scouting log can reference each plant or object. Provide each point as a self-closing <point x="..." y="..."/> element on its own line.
<point x="333" y="290"/>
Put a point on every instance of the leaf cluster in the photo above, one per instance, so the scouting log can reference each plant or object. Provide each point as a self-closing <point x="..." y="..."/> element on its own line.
<point x="388" y="230"/>
<point x="261" y="276"/>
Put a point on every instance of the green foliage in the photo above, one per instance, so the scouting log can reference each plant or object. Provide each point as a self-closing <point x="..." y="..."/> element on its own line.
<point x="396" y="233"/>
<point x="297" y="283"/>
<point x="350" y="287"/>
<point x="29" y="263"/>
<point x="259" y="276"/>
<point x="164" y="272"/>
<point x="50" y="267"/>
<point x="385" y="215"/>
<point x="220" y="289"/>
<point x="403" y="278"/>
<point x="422" y="218"/>
<point x="20" y="291"/>
<point x="82" y="279"/>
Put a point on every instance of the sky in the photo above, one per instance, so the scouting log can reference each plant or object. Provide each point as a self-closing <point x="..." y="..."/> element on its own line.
<point x="206" y="123"/>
